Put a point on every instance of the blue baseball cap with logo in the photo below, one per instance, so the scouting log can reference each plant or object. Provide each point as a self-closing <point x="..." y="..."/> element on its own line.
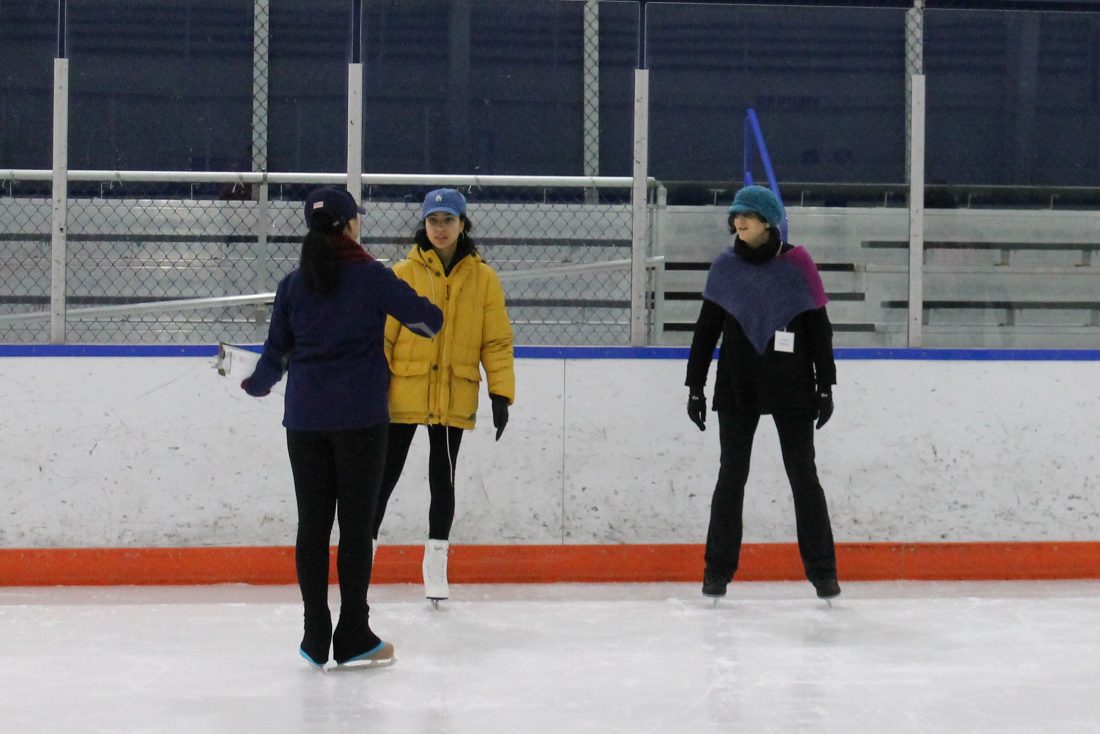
<point x="336" y="203"/>
<point x="444" y="200"/>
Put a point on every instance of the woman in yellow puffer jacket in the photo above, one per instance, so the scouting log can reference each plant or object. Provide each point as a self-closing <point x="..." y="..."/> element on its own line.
<point x="436" y="382"/>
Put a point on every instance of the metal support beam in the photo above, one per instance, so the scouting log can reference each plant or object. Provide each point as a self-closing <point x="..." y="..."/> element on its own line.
<point x="355" y="130"/>
<point x="60" y="194"/>
<point x="329" y="179"/>
<point x="199" y="304"/>
<point x="916" y="211"/>
<point x="261" y="25"/>
<point x="640" y="215"/>
<point x="591" y="93"/>
<point x="355" y="102"/>
<point x="914" y="57"/>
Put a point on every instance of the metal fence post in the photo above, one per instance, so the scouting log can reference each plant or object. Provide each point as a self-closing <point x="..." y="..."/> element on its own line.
<point x="916" y="211"/>
<point x="914" y="59"/>
<point x="639" y="203"/>
<point x="355" y="106"/>
<point x="355" y="130"/>
<point x="60" y="187"/>
<point x="261" y="32"/>
<point x="591" y="92"/>
<point x="657" y="250"/>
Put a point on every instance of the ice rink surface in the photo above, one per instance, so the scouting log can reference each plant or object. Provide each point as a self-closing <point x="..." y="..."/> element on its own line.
<point x="887" y="658"/>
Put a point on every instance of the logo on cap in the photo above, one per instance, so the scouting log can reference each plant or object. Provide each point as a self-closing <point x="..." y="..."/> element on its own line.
<point x="439" y="197"/>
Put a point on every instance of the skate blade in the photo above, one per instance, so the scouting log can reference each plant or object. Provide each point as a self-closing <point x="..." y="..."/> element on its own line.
<point x="319" y="667"/>
<point x="364" y="665"/>
<point x="380" y="657"/>
<point x="435" y="601"/>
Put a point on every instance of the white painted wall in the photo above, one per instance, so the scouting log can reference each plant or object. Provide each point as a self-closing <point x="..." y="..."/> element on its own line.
<point x="159" y="451"/>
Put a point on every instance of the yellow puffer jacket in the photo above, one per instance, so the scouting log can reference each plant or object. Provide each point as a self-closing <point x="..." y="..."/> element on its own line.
<point x="437" y="381"/>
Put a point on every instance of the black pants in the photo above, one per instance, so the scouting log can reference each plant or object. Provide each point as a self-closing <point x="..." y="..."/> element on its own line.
<point x="443" y="443"/>
<point x="336" y="474"/>
<point x="796" y="442"/>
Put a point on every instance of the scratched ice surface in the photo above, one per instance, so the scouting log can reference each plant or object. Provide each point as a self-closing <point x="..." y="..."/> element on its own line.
<point x="887" y="657"/>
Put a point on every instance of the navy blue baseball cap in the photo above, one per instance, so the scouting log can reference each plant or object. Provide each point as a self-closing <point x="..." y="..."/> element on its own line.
<point x="443" y="200"/>
<point x="337" y="203"/>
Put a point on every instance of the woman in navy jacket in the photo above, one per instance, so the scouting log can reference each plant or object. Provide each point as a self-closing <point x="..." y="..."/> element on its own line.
<point x="765" y="300"/>
<point x="326" y="332"/>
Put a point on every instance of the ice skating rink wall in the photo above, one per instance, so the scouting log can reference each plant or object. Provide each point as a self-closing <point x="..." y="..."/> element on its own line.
<point x="144" y="463"/>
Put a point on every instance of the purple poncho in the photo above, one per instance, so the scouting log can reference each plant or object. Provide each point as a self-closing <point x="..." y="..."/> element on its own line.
<point x="765" y="297"/>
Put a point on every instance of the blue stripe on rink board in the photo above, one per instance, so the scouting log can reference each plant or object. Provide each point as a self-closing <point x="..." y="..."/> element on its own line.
<point x="108" y="350"/>
<point x="522" y="352"/>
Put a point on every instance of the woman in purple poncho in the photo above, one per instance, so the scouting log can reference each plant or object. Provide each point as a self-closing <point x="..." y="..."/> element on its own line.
<point x="765" y="300"/>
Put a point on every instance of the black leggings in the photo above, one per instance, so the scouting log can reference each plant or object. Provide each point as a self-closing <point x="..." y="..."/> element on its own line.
<point x="336" y="474"/>
<point x="441" y="481"/>
<point x="796" y="442"/>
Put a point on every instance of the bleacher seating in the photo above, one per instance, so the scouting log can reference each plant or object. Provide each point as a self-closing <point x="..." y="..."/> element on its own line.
<point x="990" y="278"/>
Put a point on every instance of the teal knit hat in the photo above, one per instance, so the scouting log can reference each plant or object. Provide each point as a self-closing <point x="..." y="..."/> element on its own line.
<point x="758" y="200"/>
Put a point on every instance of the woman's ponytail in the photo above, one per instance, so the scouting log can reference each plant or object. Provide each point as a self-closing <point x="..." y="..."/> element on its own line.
<point x="318" y="266"/>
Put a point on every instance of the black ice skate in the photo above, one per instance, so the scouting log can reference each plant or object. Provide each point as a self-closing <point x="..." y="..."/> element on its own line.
<point x="714" y="585"/>
<point x="827" y="589"/>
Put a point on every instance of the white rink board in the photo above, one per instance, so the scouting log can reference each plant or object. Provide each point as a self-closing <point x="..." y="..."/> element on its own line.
<point x="160" y="451"/>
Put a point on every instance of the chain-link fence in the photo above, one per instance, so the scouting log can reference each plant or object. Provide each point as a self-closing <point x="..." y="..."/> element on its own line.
<point x="24" y="263"/>
<point x="261" y="28"/>
<point x="563" y="258"/>
<point x="139" y="254"/>
<point x="591" y="91"/>
<point x="541" y="241"/>
<point x="525" y="86"/>
<point x="914" y="64"/>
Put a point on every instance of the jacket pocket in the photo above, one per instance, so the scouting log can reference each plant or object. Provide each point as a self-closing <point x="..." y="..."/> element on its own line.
<point x="466" y="372"/>
<point x="465" y="384"/>
<point x="404" y="368"/>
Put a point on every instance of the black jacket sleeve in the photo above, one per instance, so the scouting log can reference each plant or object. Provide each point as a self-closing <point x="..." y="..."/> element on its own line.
<point x="708" y="329"/>
<point x="819" y="331"/>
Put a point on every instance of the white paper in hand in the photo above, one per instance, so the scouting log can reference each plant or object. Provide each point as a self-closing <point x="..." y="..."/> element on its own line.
<point x="239" y="363"/>
<point x="236" y="362"/>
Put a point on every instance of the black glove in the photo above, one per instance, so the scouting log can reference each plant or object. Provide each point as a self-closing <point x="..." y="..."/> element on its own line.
<point x="824" y="407"/>
<point x="246" y="385"/>
<point x="697" y="410"/>
<point x="500" y="413"/>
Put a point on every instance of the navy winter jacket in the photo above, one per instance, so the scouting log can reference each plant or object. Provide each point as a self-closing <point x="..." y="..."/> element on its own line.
<point x="331" y="346"/>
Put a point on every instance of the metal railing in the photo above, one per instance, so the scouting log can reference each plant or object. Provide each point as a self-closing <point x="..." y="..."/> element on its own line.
<point x="159" y="256"/>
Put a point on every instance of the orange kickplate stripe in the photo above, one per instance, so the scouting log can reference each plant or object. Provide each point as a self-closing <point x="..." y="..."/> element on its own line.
<point x="552" y="563"/>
